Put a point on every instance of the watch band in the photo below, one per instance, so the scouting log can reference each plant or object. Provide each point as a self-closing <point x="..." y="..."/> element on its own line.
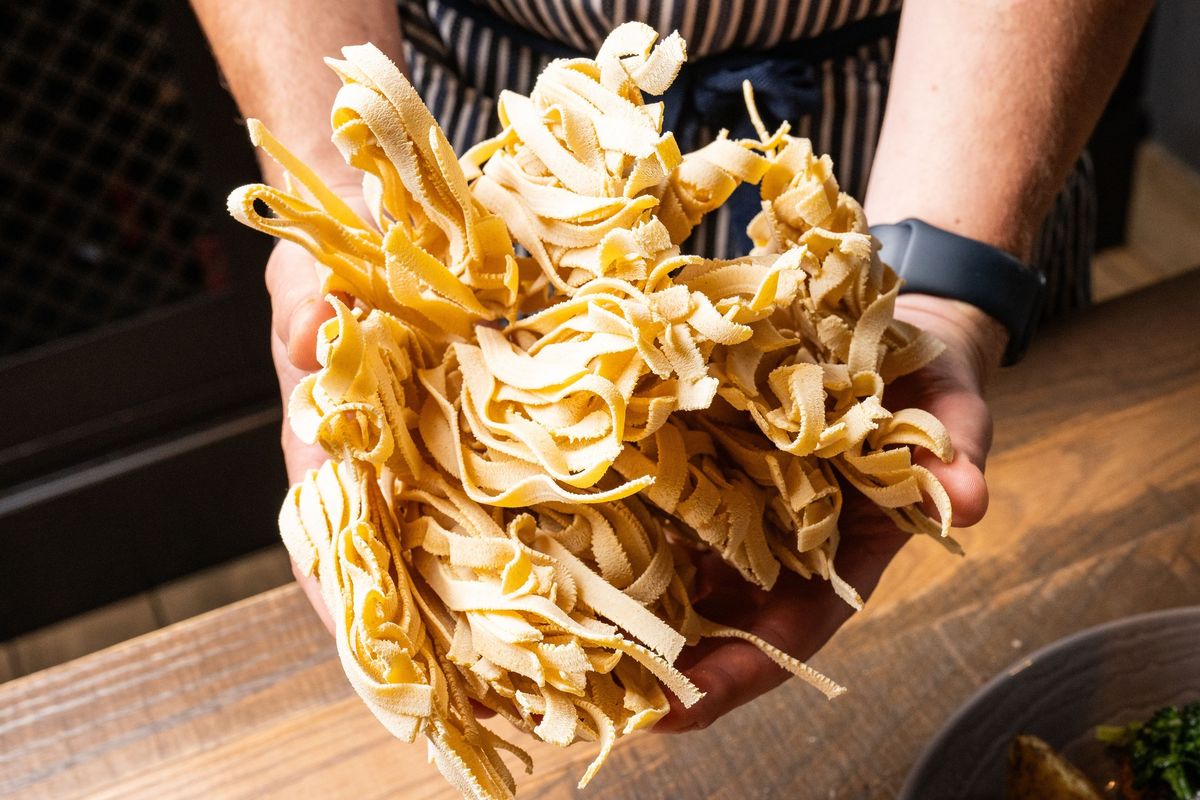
<point x="938" y="262"/>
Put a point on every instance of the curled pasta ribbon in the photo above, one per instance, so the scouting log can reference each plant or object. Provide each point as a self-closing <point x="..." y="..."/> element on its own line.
<point x="526" y="448"/>
<point x="526" y="617"/>
<point x="339" y="528"/>
<point x="442" y="241"/>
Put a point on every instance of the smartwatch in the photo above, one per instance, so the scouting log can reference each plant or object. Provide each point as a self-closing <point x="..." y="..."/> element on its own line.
<point x="938" y="262"/>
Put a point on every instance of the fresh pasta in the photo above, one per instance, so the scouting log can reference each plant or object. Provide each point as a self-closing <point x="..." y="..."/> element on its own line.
<point x="537" y="406"/>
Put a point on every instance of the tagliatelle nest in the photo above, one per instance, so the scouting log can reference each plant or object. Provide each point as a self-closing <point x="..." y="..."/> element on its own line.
<point x="525" y="448"/>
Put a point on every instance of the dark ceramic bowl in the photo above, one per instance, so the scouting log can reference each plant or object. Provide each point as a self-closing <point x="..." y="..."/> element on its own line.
<point x="1115" y="673"/>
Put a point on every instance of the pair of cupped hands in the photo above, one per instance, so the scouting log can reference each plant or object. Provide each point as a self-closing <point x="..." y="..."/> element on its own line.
<point x="797" y="615"/>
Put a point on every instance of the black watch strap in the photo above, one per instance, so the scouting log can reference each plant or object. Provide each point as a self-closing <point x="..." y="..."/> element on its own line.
<point x="938" y="262"/>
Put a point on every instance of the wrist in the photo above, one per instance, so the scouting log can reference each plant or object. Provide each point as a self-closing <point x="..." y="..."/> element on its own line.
<point x="1004" y="232"/>
<point x="933" y="261"/>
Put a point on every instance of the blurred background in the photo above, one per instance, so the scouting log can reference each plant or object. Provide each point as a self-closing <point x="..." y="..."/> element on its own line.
<point x="139" y="466"/>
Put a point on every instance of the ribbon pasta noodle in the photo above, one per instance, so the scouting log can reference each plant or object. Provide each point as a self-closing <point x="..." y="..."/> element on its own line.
<point x="537" y="404"/>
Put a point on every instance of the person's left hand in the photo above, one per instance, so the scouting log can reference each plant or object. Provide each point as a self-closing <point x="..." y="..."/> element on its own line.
<point x="798" y="615"/>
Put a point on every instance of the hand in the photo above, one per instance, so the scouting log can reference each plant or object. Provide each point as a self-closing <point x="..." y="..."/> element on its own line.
<point x="799" y="615"/>
<point x="297" y="311"/>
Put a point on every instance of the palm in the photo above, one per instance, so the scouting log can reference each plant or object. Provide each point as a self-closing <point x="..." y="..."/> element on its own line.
<point x="800" y="615"/>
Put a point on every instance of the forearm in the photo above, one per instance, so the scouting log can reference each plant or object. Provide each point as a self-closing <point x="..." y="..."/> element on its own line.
<point x="271" y="51"/>
<point x="990" y="104"/>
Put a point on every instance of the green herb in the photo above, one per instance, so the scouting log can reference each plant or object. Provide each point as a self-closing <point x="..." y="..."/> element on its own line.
<point x="1164" y="751"/>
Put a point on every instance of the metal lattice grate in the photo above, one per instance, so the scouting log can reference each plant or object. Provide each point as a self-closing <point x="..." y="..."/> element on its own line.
<point x="102" y="207"/>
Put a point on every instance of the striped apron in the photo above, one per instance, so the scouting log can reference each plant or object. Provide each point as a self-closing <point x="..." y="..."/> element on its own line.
<point x="821" y="64"/>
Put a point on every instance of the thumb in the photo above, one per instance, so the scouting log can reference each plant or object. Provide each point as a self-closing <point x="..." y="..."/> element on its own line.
<point x="297" y="307"/>
<point x="951" y="388"/>
<point x="969" y="423"/>
<point x="297" y="311"/>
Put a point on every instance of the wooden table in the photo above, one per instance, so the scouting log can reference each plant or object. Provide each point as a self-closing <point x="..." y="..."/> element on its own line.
<point x="1095" y="510"/>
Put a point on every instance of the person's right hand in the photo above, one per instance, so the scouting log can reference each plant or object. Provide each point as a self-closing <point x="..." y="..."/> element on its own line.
<point x="297" y="311"/>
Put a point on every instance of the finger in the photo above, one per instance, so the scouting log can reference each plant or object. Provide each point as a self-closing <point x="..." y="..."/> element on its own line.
<point x="298" y="307"/>
<point x="306" y="319"/>
<point x="964" y="484"/>
<point x="291" y="281"/>
<point x="299" y="458"/>
<point x="481" y="711"/>
<point x="969" y="423"/>
<point x="733" y="672"/>
<point x="720" y="587"/>
<point x="312" y="590"/>
<point x="799" y="617"/>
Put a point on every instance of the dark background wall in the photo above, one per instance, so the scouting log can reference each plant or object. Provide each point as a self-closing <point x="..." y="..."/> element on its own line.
<point x="1173" y="84"/>
<point x="141" y="418"/>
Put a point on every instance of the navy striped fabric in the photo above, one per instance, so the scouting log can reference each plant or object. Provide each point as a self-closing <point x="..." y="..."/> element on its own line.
<point x="462" y="53"/>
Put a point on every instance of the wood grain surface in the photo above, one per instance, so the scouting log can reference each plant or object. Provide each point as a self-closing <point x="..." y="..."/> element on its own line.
<point x="1095" y="515"/>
